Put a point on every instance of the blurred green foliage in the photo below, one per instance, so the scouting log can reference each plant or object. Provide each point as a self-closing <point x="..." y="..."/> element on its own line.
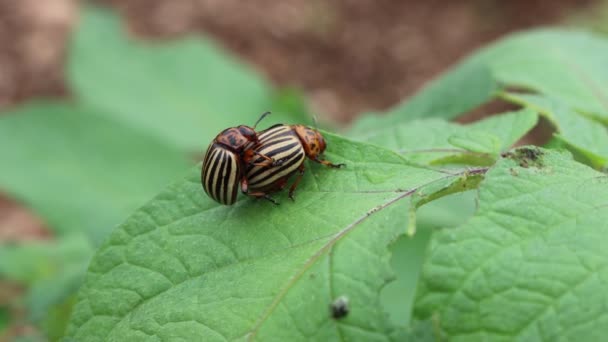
<point x="436" y="141"/>
<point x="4" y="319"/>
<point x="80" y="171"/>
<point x="140" y="111"/>
<point x="183" y="92"/>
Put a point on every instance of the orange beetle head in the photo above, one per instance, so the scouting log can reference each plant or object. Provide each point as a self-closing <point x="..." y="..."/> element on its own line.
<point x="312" y="140"/>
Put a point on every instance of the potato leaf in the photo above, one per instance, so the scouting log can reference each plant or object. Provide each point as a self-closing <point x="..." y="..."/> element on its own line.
<point x="531" y="263"/>
<point x="585" y="137"/>
<point x="435" y="141"/>
<point x="184" y="267"/>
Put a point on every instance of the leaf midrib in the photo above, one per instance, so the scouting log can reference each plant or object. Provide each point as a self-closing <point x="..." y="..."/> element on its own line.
<point x="312" y="260"/>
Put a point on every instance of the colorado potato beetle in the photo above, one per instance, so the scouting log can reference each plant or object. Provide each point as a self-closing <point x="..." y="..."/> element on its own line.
<point x="289" y="145"/>
<point x="227" y="157"/>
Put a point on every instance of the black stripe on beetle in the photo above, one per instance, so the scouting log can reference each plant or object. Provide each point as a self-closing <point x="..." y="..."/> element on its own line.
<point x="273" y="132"/>
<point x="268" y="143"/>
<point x="226" y="177"/>
<point x="217" y="176"/>
<point x="287" y="152"/>
<point x="281" y="148"/>
<point x="221" y="174"/>
<point x="290" y="145"/>
<point x="275" y="173"/>
<point x="210" y="170"/>
<point x="225" y="160"/>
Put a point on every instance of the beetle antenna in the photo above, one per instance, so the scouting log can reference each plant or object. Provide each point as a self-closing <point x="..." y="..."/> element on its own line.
<point x="315" y="122"/>
<point x="265" y="114"/>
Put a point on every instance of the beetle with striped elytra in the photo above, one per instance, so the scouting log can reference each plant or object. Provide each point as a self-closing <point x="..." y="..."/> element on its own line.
<point x="227" y="157"/>
<point x="290" y="145"/>
<point x="261" y="163"/>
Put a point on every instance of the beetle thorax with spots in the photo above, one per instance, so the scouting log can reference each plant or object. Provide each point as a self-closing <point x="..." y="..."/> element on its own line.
<point x="237" y="138"/>
<point x="312" y="140"/>
<point x="225" y="159"/>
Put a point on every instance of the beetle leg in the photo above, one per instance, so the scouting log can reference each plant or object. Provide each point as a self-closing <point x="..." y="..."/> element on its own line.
<point x="244" y="185"/>
<point x="293" y="187"/>
<point x="271" y="199"/>
<point x="264" y="163"/>
<point x="260" y="194"/>
<point x="267" y="158"/>
<point x="268" y="161"/>
<point x="328" y="163"/>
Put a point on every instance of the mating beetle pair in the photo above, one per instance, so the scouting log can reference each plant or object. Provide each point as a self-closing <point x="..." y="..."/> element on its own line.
<point x="259" y="163"/>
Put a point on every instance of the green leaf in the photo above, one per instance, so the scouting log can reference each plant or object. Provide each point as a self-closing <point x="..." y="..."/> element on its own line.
<point x="32" y="262"/>
<point x="4" y="318"/>
<point x="52" y="272"/>
<point x="30" y="337"/>
<point x="78" y="170"/>
<point x="184" y="267"/>
<point x="507" y="127"/>
<point x="566" y="65"/>
<point x="408" y="251"/>
<point x="289" y="104"/>
<point x="430" y="141"/>
<point x="182" y="91"/>
<point x="407" y="257"/>
<point x="421" y="331"/>
<point x="420" y="141"/>
<point x="56" y="318"/>
<point x="531" y="263"/>
<point x="585" y="137"/>
<point x="476" y="141"/>
<point x="465" y="87"/>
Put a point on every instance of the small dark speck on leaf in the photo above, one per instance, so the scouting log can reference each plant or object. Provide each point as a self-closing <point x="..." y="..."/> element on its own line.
<point x="526" y="156"/>
<point x="531" y="153"/>
<point x="340" y="307"/>
<point x="373" y="210"/>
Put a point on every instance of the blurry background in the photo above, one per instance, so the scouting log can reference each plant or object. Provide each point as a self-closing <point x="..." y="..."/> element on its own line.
<point x="348" y="55"/>
<point x="345" y="56"/>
